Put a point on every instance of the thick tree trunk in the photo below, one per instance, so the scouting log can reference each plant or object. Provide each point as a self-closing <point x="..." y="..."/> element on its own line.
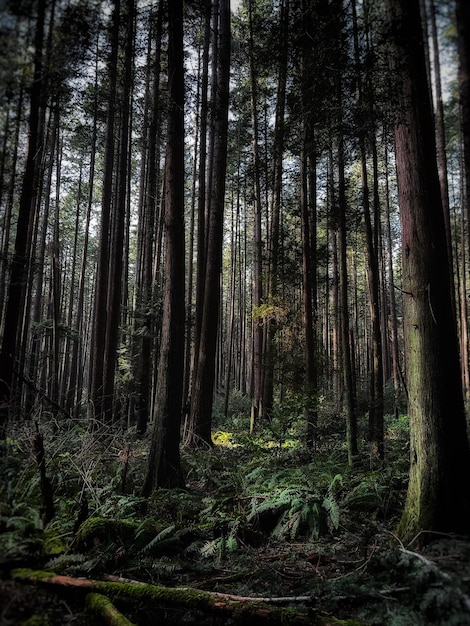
<point x="440" y="453"/>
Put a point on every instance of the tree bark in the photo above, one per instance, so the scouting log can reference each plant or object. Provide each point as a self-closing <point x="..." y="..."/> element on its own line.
<point x="203" y="384"/>
<point x="100" y="314"/>
<point x="463" y="40"/>
<point x="257" y="327"/>
<point x="440" y="453"/>
<point x="14" y="310"/>
<point x="164" y="468"/>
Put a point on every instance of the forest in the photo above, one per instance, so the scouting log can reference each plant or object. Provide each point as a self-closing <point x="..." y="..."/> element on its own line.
<point x="234" y="320"/>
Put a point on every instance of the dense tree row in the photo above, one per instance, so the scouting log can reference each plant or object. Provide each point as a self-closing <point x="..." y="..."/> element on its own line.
<point x="196" y="202"/>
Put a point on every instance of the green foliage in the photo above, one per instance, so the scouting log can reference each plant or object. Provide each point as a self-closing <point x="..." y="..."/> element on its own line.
<point x="265" y="313"/>
<point x="247" y="498"/>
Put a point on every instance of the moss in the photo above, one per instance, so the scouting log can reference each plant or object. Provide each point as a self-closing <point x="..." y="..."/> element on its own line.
<point x="52" y="543"/>
<point x="35" y="620"/>
<point x="333" y="621"/>
<point x="102" y="606"/>
<point x="24" y="573"/>
<point x="246" y="612"/>
<point x="98" y="529"/>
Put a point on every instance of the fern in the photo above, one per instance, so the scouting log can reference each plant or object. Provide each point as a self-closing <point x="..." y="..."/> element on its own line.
<point x="219" y="548"/>
<point x="64" y="561"/>
<point x="332" y="510"/>
<point x="159" y="537"/>
<point x="209" y="548"/>
<point x="163" y="566"/>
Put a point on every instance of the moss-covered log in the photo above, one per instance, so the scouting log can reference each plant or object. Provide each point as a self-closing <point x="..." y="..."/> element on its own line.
<point x="247" y="611"/>
<point x="103" y="607"/>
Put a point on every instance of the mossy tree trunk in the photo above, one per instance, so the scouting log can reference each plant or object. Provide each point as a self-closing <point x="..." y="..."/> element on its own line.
<point x="440" y="456"/>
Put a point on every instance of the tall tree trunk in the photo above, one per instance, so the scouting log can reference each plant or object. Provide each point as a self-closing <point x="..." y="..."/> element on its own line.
<point x="202" y="186"/>
<point x="308" y="211"/>
<point x="6" y="226"/>
<point x="164" y="468"/>
<point x="274" y="237"/>
<point x="376" y="408"/>
<point x="441" y="145"/>
<point x="100" y="315"/>
<point x="14" y="311"/>
<point x="391" y="279"/>
<point x="463" y="39"/>
<point x="346" y="356"/>
<point x="149" y="204"/>
<point x="257" y="327"/>
<point x="117" y="230"/>
<point x="440" y="453"/>
<point x="202" y="390"/>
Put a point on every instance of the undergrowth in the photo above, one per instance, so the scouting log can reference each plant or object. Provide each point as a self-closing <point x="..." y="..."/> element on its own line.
<point x="259" y="516"/>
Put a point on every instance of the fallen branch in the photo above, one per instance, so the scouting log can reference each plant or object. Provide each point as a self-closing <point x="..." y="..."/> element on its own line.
<point x="228" y="596"/>
<point x="105" y="609"/>
<point x="240" y="609"/>
<point x="249" y="611"/>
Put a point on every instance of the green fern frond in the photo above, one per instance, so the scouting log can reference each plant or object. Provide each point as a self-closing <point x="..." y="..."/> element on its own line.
<point x="258" y="508"/>
<point x="64" y="561"/>
<point x="164" y="565"/>
<point x="194" y="548"/>
<point x="280" y="530"/>
<point x="293" y="523"/>
<point x="332" y="510"/>
<point x="231" y="543"/>
<point x="164" y="534"/>
<point x="209" y="548"/>
<point x="312" y="519"/>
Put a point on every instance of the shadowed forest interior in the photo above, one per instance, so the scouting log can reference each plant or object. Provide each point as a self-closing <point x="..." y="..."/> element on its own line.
<point x="234" y="282"/>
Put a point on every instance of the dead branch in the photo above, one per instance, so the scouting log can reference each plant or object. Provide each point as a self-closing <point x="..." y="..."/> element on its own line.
<point x="229" y="596"/>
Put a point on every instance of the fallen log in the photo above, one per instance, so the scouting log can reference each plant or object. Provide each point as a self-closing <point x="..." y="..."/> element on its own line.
<point x="230" y="596"/>
<point x="246" y="610"/>
<point x="103" y="607"/>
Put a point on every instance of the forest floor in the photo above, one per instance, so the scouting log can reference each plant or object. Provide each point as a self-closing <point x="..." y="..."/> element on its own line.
<point x="261" y="518"/>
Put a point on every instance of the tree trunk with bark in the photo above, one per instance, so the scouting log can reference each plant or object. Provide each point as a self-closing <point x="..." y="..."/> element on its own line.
<point x="164" y="468"/>
<point x="14" y="310"/>
<point x="202" y="389"/>
<point x="440" y="455"/>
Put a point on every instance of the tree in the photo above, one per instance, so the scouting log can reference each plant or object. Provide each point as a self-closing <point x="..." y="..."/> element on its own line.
<point x="164" y="467"/>
<point x="308" y="210"/>
<point x="202" y="390"/>
<point x="463" y="39"/>
<point x="149" y="220"/>
<point x="14" y="310"/>
<point x="98" y="363"/>
<point x="439" y="454"/>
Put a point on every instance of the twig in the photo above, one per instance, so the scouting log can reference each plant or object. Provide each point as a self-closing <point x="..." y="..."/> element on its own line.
<point x="361" y="567"/>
